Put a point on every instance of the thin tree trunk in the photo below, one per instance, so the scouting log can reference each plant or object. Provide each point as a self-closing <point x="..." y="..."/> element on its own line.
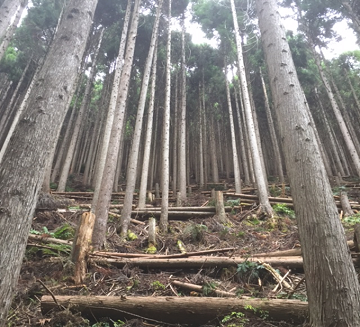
<point x="79" y="120"/>
<point x="111" y="113"/>
<point x="339" y="167"/>
<point x="19" y="111"/>
<point x="175" y="137"/>
<point x="148" y="137"/>
<point x="259" y="173"/>
<point x="166" y="134"/>
<point x="102" y="206"/>
<point x="214" y="165"/>
<point x="343" y="128"/>
<point x="10" y="31"/>
<point x="7" y="11"/>
<point x="242" y="141"/>
<point x="233" y="137"/>
<point x="135" y="147"/>
<point x="182" y="139"/>
<point x="272" y="132"/>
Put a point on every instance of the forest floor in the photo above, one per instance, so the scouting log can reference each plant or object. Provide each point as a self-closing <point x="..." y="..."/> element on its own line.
<point x="47" y="270"/>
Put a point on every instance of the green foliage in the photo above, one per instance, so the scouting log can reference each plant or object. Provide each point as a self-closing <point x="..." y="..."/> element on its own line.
<point x="235" y="319"/>
<point x="232" y="203"/>
<point x="274" y="190"/>
<point x="352" y="220"/>
<point x="195" y="231"/>
<point x="64" y="232"/>
<point x="338" y="189"/>
<point x="44" y="231"/>
<point x="112" y="323"/>
<point x="157" y="286"/>
<point x="249" y="270"/>
<point x="208" y="288"/>
<point x="283" y="209"/>
<point x="262" y="313"/>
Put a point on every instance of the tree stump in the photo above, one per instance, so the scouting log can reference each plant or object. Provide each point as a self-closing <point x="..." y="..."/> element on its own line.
<point x="220" y="209"/>
<point x="81" y="245"/>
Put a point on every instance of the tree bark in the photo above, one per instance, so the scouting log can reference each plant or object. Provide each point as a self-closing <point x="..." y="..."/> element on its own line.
<point x="7" y="11"/>
<point x="332" y="285"/>
<point x="39" y="127"/>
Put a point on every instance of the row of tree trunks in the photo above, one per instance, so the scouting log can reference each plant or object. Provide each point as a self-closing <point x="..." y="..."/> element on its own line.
<point x="179" y="310"/>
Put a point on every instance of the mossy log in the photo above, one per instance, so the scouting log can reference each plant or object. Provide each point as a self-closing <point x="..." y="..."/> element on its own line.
<point x="177" y="310"/>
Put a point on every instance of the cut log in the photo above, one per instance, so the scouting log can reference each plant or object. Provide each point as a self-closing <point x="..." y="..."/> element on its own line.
<point x="134" y="221"/>
<point x="161" y="256"/>
<point x="198" y="262"/>
<point x="292" y="252"/>
<point x="177" y="310"/>
<point x="81" y="245"/>
<point x="45" y="239"/>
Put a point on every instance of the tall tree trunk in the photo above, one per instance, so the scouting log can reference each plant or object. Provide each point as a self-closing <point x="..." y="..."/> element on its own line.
<point x="272" y="132"/>
<point x="102" y="206"/>
<point x="214" y="165"/>
<point x="80" y="118"/>
<point x="233" y="137"/>
<point x="182" y="140"/>
<point x="175" y="137"/>
<point x="201" y="146"/>
<point x="135" y="147"/>
<point x="7" y="11"/>
<point x="111" y="113"/>
<point x="41" y="123"/>
<point x="19" y="111"/>
<point x="255" y="151"/>
<point x="339" y="167"/>
<point x="339" y="118"/>
<point x="166" y="134"/>
<point x="148" y="137"/>
<point x="352" y="15"/>
<point x="332" y="284"/>
<point x="242" y="139"/>
<point x="10" y="32"/>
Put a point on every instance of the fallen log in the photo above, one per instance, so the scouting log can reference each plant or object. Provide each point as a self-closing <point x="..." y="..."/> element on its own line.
<point x="178" y="310"/>
<point x="161" y="256"/>
<point x="292" y="252"/>
<point x="274" y="200"/>
<point x="173" y="215"/>
<point x="197" y="262"/>
<point x="47" y="239"/>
